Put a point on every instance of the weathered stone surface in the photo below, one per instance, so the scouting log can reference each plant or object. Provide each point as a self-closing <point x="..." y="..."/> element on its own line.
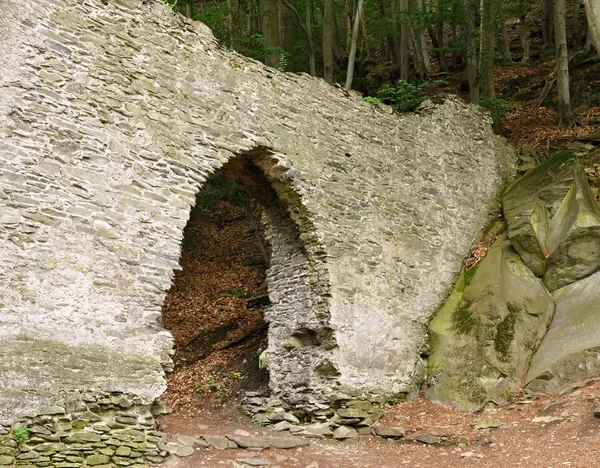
<point x="219" y="442"/>
<point x="484" y="337"/>
<point x="554" y="222"/>
<point x="569" y="353"/>
<point x="391" y="432"/>
<point x="345" y="432"/>
<point x="101" y="159"/>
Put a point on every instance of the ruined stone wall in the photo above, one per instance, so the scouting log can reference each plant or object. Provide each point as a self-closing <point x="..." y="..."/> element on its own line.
<point x="112" y="114"/>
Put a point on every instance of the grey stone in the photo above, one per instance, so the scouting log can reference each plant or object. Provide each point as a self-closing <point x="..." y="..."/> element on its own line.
<point x="484" y="337"/>
<point x="427" y="439"/>
<point x="191" y="441"/>
<point x="183" y="451"/>
<point x="345" y="432"/>
<point x="219" y="442"/>
<point x="391" y="432"/>
<point x="568" y="354"/>
<point x="254" y="461"/>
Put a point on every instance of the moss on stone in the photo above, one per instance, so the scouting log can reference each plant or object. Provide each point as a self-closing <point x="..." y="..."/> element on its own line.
<point x="505" y="332"/>
<point x="463" y="320"/>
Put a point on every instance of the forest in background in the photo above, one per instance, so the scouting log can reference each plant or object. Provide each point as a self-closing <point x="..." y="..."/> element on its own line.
<point x="393" y="50"/>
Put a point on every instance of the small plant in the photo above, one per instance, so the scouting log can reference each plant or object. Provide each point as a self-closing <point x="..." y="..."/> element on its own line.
<point x="170" y="3"/>
<point x="20" y="434"/>
<point x="404" y="96"/>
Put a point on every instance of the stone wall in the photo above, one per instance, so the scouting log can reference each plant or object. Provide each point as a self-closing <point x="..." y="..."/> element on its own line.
<point x="112" y="114"/>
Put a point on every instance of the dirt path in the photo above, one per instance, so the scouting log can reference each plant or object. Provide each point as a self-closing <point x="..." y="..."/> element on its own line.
<point x="568" y="434"/>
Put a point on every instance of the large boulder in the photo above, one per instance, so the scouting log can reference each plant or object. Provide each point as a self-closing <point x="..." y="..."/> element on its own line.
<point x="554" y="222"/>
<point x="570" y="353"/>
<point x="483" y="338"/>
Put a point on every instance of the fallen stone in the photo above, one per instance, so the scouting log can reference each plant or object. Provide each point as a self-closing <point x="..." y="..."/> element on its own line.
<point x="318" y="430"/>
<point x="254" y="461"/>
<point x="219" y="442"/>
<point x="489" y="423"/>
<point x="183" y="451"/>
<point x="268" y="442"/>
<point x="427" y="439"/>
<point x="281" y="426"/>
<point x="189" y="441"/>
<point x="389" y="432"/>
<point x="345" y="432"/>
<point x="546" y="419"/>
<point x="241" y="432"/>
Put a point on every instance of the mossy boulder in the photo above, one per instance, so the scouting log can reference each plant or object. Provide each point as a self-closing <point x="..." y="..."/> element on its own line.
<point x="553" y="221"/>
<point x="570" y="352"/>
<point x="484" y="336"/>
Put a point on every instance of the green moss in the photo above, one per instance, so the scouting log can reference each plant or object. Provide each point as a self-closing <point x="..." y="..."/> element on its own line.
<point x="463" y="320"/>
<point x="505" y="332"/>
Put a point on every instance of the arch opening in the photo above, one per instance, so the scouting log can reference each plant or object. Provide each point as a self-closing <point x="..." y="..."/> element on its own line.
<point x="252" y="290"/>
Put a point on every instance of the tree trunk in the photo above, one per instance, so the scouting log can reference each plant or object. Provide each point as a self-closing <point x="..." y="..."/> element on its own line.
<point x="307" y="32"/>
<point x="547" y="22"/>
<point x="389" y="39"/>
<point x="486" y="61"/>
<point x="270" y="28"/>
<point x="588" y="41"/>
<point x="472" y="51"/>
<point x="592" y="11"/>
<point x="565" y="114"/>
<point x="311" y="46"/>
<point x="404" y="39"/>
<point x="504" y="34"/>
<point x="328" y="31"/>
<point x="441" y="44"/>
<point x="422" y="38"/>
<point x="189" y="9"/>
<point x="523" y="32"/>
<point x="352" y="55"/>
<point x="286" y="23"/>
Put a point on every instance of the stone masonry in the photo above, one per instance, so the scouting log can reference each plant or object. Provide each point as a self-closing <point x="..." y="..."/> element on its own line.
<point x="112" y="114"/>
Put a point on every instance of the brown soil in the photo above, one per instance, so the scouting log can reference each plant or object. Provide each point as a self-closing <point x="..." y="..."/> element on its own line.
<point x="573" y="440"/>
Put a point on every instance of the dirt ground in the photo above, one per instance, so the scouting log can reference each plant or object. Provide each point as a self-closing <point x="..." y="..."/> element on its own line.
<point x="567" y="435"/>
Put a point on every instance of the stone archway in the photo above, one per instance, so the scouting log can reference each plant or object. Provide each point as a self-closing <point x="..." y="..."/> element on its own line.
<point x="300" y="348"/>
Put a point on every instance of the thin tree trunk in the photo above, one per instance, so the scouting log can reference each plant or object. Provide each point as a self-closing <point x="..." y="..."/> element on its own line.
<point x="307" y="32"/>
<point x="565" y="114"/>
<point x="486" y="62"/>
<point x="422" y="38"/>
<point x="472" y="51"/>
<point x="311" y="46"/>
<point x="352" y="56"/>
<point x="441" y="44"/>
<point x="588" y="41"/>
<point x="328" y="31"/>
<point x="523" y="32"/>
<point x="504" y="34"/>
<point x="592" y="11"/>
<point x="189" y="9"/>
<point x="404" y="39"/>
<point x="547" y="23"/>
<point x="286" y="22"/>
<point x="389" y="39"/>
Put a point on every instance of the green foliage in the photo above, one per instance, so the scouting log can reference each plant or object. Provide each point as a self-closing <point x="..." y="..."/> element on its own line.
<point x="20" y="434"/>
<point x="404" y="96"/>
<point x="221" y="384"/>
<point x="170" y="3"/>
<point x="498" y="107"/>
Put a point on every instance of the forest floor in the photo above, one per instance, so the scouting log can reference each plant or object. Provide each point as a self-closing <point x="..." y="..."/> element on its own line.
<point x="219" y="338"/>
